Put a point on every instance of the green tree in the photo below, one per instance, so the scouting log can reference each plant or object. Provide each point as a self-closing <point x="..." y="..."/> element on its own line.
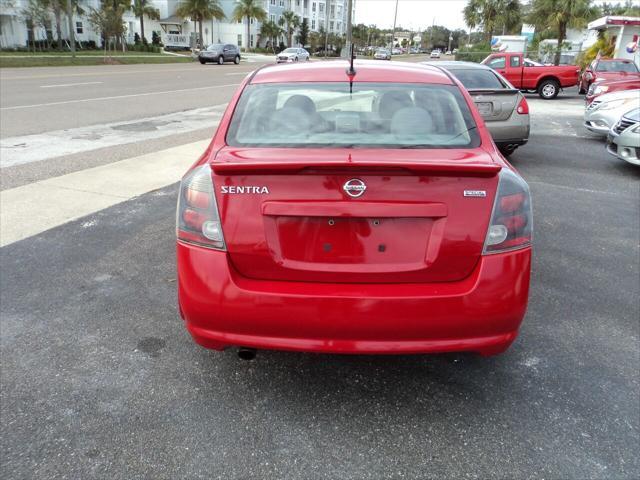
<point x="290" y="21"/>
<point x="492" y="15"/>
<point x="140" y="8"/>
<point x="303" y="33"/>
<point x="271" y="31"/>
<point x="248" y="9"/>
<point x="36" y="14"/>
<point x="199" y="10"/>
<point x="108" y="21"/>
<point x="626" y="8"/>
<point x="559" y="15"/>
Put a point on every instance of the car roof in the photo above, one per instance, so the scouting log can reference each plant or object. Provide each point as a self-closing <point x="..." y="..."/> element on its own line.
<point x="458" y="65"/>
<point x="626" y="60"/>
<point x="366" y="71"/>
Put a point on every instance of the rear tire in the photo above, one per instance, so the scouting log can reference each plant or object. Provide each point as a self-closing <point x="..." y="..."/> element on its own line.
<point x="236" y="60"/>
<point x="548" y="89"/>
<point x="220" y="60"/>
<point x="506" y="151"/>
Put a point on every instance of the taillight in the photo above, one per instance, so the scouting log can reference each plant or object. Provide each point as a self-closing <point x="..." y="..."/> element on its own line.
<point x="198" y="220"/>
<point x="523" y="107"/>
<point x="511" y="224"/>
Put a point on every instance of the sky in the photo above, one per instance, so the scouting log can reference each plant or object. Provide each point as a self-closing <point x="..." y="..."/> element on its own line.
<point x="413" y="14"/>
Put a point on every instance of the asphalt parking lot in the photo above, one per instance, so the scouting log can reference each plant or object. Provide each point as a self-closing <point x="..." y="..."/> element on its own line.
<point x="101" y="380"/>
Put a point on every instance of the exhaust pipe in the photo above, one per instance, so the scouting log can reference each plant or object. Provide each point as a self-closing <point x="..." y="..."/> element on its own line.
<point x="246" y="353"/>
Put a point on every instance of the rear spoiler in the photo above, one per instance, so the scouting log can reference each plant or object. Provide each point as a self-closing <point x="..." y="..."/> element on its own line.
<point x="283" y="167"/>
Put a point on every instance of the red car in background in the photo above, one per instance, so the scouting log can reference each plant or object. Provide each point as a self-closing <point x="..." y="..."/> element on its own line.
<point x="353" y="211"/>
<point x="546" y="80"/>
<point x="604" y="69"/>
<point x="609" y="86"/>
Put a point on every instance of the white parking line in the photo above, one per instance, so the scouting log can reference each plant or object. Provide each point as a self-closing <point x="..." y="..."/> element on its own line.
<point x="56" y="201"/>
<point x="69" y="84"/>
<point x="116" y="97"/>
<point x="42" y="146"/>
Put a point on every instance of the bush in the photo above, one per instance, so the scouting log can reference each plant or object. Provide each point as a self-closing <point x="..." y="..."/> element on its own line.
<point x="155" y="39"/>
<point x="475" y="53"/>
<point x="136" y="38"/>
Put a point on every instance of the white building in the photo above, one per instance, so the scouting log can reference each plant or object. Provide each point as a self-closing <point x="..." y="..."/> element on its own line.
<point x="177" y="32"/>
<point x="622" y="31"/>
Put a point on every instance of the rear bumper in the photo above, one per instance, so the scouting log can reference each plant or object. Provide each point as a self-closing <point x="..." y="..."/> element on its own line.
<point x="514" y="130"/>
<point x="481" y="313"/>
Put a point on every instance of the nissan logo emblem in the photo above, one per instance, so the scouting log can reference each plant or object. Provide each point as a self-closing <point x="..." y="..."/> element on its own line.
<point x="354" y="187"/>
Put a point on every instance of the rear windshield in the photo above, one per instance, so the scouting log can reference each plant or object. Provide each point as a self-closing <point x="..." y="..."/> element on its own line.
<point x="374" y="114"/>
<point x="477" y="79"/>
<point x="616" y="67"/>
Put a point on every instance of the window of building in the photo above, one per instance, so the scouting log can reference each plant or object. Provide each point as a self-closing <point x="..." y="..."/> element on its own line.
<point x="239" y="40"/>
<point x="331" y="26"/>
<point x="273" y="2"/>
<point x="297" y="3"/>
<point x="313" y="7"/>
<point x="321" y="8"/>
<point x="251" y="20"/>
<point x="313" y="24"/>
<point x="333" y="10"/>
<point x="251" y="40"/>
<point x="306" y="4"/>
<point x="272" y="17"/>
<point x="79" y="28"/>
<point x="281" y="3"/>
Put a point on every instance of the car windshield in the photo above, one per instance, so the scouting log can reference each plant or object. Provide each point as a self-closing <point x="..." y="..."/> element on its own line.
<point x="629" y="67"/>
<point x="215" y="46"/>
<point x="290" y="50"/>
<point x="390" y="115"/>
<point x="382" y="50"/>
<point x="477" y="79"/>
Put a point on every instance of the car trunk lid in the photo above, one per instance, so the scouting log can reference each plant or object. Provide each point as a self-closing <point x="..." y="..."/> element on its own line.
<point x="495" y="105"/>
<point x="411" y="216"/>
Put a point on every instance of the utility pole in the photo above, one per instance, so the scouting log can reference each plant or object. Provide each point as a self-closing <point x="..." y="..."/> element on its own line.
<point x="349" y="29"/>
<point x="393" y="34"/>
<point x="72" y="33"/>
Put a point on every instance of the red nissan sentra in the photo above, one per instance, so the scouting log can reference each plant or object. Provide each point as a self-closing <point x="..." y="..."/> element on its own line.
<point x="362" y="211"/>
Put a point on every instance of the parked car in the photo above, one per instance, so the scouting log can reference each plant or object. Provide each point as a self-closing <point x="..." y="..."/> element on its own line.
<point x="382" y="54"/>
<point x="545" y="80"/>
<point x="502" y="106"/>
<point x="292" y="55"/>
<point x="623" y="140"/>
<point x="316" y="221"/>
<point x="220" y="53"/>
<point x="435" y="54"/>
<point x="396" y="51"/>
<point x="448" y="52"/>
<point x="609" y="86"/>
<point x="602" y="69"/>
<point x="605" y="111"/>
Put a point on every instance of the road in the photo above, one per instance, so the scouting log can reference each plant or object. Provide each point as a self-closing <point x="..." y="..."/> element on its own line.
<point x="100" y="380"/>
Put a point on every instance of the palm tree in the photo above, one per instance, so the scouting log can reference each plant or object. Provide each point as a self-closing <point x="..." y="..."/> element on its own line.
<point x="248" y="9"/>
<point x="491" y="14"/>
<point x="271" y="31"/>
<point x="199" y="10"/>
<point x="559" y="15"/>
<point x="140" y="8"/>
<point x="292" y="21"/>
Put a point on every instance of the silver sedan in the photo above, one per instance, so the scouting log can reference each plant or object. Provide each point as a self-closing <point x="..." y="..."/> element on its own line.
<point x="503" y="107"/>
<point x="601" y="114"/>
<point x="292" y="55"/>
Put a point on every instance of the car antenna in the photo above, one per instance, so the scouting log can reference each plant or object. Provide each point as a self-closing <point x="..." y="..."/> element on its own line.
<point x="351" y="72"/>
